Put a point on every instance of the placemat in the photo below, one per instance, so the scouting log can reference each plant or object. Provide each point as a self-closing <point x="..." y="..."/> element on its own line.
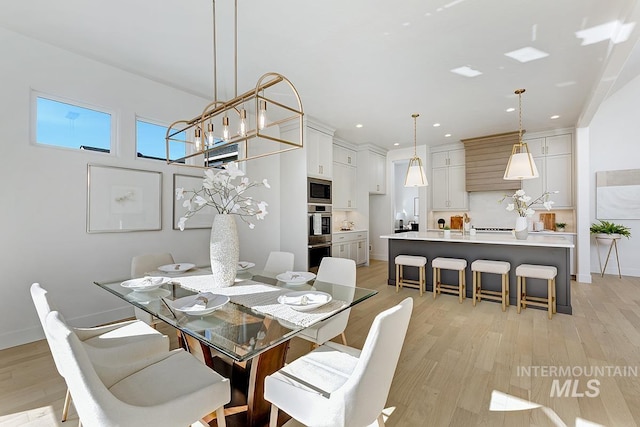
<point x="262" y="298"/>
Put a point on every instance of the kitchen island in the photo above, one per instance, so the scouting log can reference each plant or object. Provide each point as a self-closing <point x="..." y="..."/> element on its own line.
<point x="536" y="249"/>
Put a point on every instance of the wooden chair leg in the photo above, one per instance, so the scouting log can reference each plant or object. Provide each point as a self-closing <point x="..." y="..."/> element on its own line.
<point x="273" y="420"/>
<point x="519" y="295"/>
<point x="220" y="419"/>
<point x="344" y="338"/>
<point x="65" y="407"/>
<point x="380" y="421"/>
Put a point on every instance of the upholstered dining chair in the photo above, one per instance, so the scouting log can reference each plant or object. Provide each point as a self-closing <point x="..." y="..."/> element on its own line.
<point x="172" y="389"/>
<point x="341" y="271"/>
<point x="279" y="262"/>
<point x="142" y="265"/>
<point x="336" y="385"/>
<point x="111" y="348"/>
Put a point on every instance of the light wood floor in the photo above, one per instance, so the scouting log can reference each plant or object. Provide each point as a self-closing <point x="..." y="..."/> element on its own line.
<point x="454" y="356"/>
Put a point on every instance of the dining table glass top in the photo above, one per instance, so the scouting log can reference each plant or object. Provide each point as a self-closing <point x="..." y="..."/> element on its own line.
<point x="261" y="313"/>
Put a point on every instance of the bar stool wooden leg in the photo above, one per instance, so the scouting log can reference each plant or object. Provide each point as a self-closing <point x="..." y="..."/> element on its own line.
<point x="423" y="280"/>
<point x="461" y="286"/>
<point x="549" y="298"/>
<point x="505" y="301"/>
<point x="397" y="277"/>
<point x="555" y="300"/>
<point x="474" y="280"/>
<point x="435" y="282"/>
<point x="519" y="296"/>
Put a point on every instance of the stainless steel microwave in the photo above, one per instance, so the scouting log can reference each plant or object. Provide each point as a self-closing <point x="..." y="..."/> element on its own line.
<point x="318" y="191"/>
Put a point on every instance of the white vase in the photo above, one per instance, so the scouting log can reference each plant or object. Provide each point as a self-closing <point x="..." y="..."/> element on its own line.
<point x="224" y="250"/>
<point x="522" y="228"/>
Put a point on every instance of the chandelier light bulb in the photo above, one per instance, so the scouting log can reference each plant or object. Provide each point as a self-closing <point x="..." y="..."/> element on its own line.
<point x="210" y="137"/>
<point x="262" y="117"/>
<point x="198" y="139"/>
<point x="243" y="122"/>
<point x="225" y="128"/>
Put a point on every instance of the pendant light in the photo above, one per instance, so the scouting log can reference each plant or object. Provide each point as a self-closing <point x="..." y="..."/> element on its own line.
<point x="415" y="172"/>
<point x="521" y="164"/>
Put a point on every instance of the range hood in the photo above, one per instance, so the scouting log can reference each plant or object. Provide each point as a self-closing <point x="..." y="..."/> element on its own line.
<point x="486" y="158"/>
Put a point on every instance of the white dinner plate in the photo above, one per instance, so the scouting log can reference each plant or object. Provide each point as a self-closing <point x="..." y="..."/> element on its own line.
<point x="147" y="283"/>
<point x="295" y="277"/>
<point x="148" y="296"/>
<point x="185" y="304"/>
<point x="304" y="300"/>
<point x="244" y="265"/>
<point x="176" y="268"/>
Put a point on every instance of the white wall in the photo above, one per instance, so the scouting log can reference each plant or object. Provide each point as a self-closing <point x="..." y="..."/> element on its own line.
<point x="43" y="209"/>
<point x="613" y="143"/>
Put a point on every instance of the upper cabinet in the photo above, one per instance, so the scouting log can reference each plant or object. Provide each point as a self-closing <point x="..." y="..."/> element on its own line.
<point x="345" y="182"/>
<point x="553" y="156"/>
<point x="377" y="165"/>
<point x="448" y="180"/>
<point x="319" y="144"/>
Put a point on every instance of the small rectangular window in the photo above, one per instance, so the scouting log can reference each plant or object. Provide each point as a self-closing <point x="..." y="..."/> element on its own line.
<point x="66" y="125"/>
<point x="151" y="143"/>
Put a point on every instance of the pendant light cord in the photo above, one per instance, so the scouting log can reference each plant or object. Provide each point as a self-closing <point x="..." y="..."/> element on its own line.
<point x="415" y="138"/>
<point x="520" y="92"/>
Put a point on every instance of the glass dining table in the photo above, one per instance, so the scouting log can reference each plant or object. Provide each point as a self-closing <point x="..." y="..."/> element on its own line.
<point x="247" y="337"/>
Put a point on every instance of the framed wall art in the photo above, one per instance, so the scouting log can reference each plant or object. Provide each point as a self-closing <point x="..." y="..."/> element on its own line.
<point x="618" y="194"/>
<point x="122" y="199"/>
<point x="204" y="217"/>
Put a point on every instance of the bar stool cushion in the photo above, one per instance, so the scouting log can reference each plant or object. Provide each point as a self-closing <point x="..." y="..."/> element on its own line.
<point x="411" y="260"/>
<point x="546" y="272"/>
<point x="449" y="263"/>
<point x="489" y="266"/>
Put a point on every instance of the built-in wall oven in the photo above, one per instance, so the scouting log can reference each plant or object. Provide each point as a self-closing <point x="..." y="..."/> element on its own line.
<point x="319" y="234"/>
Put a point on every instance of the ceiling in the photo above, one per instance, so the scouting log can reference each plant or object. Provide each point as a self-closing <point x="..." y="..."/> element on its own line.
<point x="368" y="62"/>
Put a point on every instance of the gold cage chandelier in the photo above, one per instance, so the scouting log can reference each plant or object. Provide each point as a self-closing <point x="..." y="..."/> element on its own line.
<point x="247" y="125"/>
<point x="521" y="164"/>
<point x="415" y="172"/>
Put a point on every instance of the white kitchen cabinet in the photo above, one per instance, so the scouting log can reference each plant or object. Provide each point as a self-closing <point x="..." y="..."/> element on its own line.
<point x="377" y="173"/>
<point x="344" y="187"/>
<point x="448" y="180"/>
<point x="554" y="160"/>
<point x="344" y="155"/>
<point x="350" y="245"/>
<point x="319" y="154"/>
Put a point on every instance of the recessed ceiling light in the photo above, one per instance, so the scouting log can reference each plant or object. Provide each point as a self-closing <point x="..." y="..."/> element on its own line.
<point x="396" y="143"/>
<point x="406" y="24"/>
<point x="526" y="54"/>
<point x="447" y="135"/>
<point x="466" y="71"/>
<point x="435" y="125"/>
<point x="554" y="117"/>
<point x="510" y="110"/>
<point x="359" y="125"/>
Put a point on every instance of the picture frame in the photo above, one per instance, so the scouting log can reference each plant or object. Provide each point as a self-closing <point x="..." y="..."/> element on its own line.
<point x="204" y="217"/>
<point x="618" y="194"/>
<point x="123" y="199"/>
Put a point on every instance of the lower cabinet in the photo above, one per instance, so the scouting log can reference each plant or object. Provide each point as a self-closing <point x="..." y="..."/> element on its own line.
<point x="350" y="244"/>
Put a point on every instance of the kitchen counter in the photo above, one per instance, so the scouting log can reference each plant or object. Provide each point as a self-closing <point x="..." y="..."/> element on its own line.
<point x="534" y="239"/>
<point x="538" y="248"/>
<point x="355" y="230"/>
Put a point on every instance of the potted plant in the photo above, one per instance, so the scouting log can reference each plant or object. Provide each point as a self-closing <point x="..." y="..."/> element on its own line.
<point x="609" y="230"/>
<point x="560" y="226"/>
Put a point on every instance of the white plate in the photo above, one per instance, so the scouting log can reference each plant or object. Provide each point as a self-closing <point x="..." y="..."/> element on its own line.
<point x="176" y="268"/>
<point x="185" y="304"/>
<point x="146" y="297"/>
<point x="147" y="283"/>
<point x="295" y="277"/>
<point x="295" y="300"/>
<point x="244" y="265"/>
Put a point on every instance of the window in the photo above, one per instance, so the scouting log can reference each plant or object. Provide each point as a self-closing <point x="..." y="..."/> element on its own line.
<point x="151" y="143"/>
<point x="66" y="125"/>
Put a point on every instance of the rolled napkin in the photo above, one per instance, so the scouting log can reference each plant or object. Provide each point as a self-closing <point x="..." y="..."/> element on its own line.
<point x="200" y="302"/>
<point x="305" y="299"/>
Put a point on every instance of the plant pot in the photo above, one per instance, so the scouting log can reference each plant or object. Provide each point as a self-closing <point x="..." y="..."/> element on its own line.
<point x="224" y="250"/>
<point x="604" y="236"/>
<point x="447" y="234"/>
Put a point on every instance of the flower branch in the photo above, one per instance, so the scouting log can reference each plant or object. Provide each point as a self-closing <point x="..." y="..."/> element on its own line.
<point x="522" y="203"/>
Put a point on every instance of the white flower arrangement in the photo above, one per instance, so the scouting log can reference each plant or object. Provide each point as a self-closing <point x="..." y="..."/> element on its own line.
<point x="220" y="192"/>
<point x="522" y="203"/>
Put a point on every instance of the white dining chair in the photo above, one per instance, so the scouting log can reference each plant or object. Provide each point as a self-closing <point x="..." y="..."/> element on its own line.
<point x="338" y="386"/>
<point x="341" y="271"/>
<point x="112" y="348"/>
<point x="279" y="262"/>
<point x="173" y="389"/>
<point x="142" y="265"/>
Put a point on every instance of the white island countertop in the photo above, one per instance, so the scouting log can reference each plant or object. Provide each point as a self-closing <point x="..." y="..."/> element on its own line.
<point x="533" y="239"/>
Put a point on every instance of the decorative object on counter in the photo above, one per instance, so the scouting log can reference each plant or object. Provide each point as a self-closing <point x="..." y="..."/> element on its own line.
<point x="548" y="220"/>
<point x="400" y="217"/>
<point x="521" y="164"/>
<point x="441" y="223"/>
<point x="522" y="206"/>
<point x="347" y="225"/>
<point x="447" y="231"/>
<point x="608" y="233"/>
<point x="455" y="222"/>
<point x="560" y="226"/>
<point x="196" y="143"/>
<point x="415" y="172"/>
<point x="229" y="200"/>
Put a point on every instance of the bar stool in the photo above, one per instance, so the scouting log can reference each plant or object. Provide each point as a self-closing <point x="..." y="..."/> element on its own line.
<point x="449" y="264"/>
<point x="411" y="261"/>
<point x="545" y="272"/>
<point x="480" y="266"/>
